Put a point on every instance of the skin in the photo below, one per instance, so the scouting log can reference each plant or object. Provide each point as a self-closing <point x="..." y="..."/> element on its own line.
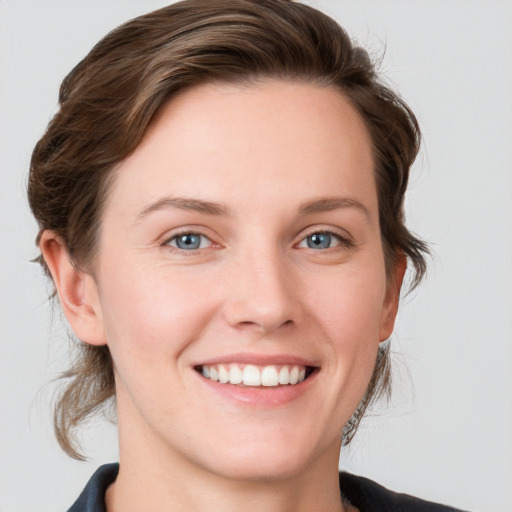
<point x="262" y="153"/>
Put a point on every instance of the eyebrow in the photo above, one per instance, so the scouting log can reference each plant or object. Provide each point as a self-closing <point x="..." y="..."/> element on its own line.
<point x="328" y="204"/>
<point x="184" y="203"/>
<point x="321" y="205"/>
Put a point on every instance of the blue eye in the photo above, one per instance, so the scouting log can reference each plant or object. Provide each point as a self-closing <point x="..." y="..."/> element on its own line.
<point x="320" y="240"/>
<point x="189" y="241"/>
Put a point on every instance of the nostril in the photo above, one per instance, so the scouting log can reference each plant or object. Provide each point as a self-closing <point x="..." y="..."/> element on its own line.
<point x="266" y="326"/>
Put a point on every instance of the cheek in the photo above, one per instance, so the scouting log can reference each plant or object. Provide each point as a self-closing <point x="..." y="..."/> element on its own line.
<point x="351" y="303"/>
<point x="350" y="316"/>
<point x="154" y="314"/>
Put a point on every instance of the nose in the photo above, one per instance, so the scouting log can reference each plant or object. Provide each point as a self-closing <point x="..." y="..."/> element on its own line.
<point x="262" y="294"/>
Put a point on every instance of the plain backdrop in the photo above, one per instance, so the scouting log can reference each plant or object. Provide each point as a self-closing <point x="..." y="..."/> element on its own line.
<point x="447" y="433"/>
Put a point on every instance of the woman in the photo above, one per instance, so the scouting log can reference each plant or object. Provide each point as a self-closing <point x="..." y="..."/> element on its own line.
<point x="220" y="203"/>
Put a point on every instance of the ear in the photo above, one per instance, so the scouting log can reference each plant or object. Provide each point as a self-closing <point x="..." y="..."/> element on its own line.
<point x="77" y="291"/>
<point x="390" y="307"/>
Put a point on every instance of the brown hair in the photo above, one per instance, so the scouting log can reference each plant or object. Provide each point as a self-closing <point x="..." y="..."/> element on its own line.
<point x="110" y="97"/>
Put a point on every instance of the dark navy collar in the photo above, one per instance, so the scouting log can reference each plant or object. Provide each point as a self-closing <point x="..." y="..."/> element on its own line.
<point x="92" y="498"/>
<point x="369" y="496"/>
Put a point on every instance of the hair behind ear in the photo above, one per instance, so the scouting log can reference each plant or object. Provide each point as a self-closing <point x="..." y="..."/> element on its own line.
<point x="89" y="388"/>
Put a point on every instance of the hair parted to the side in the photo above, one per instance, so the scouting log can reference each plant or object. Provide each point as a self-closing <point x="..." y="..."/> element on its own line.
<point x="108" y="100"/>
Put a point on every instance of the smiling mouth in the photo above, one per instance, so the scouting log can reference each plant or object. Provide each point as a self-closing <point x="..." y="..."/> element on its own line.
<point x="256" y="376"/>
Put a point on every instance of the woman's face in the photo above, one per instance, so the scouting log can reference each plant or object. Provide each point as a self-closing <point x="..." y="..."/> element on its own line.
<point x="241" y="240"/>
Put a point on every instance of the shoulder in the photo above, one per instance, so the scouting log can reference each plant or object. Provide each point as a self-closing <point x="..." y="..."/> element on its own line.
<point x="369" y="496"/>
<point x="92" y="498"/>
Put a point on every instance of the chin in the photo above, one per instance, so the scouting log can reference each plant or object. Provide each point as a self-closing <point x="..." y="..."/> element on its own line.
<point x="267" y="460"/>
<point x="261" y="468"/>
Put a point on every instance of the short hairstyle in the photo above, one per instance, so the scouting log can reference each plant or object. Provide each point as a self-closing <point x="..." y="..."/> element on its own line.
<point x="108" y="100"/>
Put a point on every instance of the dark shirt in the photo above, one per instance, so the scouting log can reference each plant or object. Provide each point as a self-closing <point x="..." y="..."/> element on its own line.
<point x="360" y="492"/>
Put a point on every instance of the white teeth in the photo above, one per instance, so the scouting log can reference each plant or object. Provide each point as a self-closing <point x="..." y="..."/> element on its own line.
<point x="251" y="375"/>
<point x="294" y="375"/>
<point x="235" y="374"/>
<point x="223" y="375"/>
<point x="269" y="376"/>
<point x="284" y="375"/>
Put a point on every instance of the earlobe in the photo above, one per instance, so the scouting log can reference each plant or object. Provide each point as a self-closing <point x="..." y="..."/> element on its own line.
<point x="77" y="291"/>
<point x="390" y="308"/>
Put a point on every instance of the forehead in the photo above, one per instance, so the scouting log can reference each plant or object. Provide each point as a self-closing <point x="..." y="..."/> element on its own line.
<point x="244" y="143"/>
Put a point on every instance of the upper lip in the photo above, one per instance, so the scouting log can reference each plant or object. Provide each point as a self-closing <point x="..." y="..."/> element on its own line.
<point x="258" y="360"/>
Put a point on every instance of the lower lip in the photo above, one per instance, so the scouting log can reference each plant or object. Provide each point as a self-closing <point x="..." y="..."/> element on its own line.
<point x="261" y="396"/>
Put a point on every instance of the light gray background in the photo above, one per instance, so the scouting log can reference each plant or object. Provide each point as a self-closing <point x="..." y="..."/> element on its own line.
<point x="447" y="434"/>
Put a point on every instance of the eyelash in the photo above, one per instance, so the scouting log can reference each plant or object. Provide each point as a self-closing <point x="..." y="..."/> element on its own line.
<point x="344" y="242"/>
